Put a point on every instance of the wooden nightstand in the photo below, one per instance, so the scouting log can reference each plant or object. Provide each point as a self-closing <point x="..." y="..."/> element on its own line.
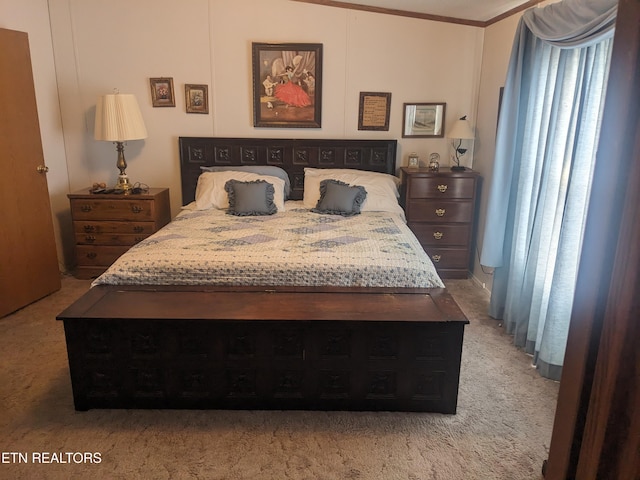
<point x="441" y="211"/>
<point x="107" y="225"/>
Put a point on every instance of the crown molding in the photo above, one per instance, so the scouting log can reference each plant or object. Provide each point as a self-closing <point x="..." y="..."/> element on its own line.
<point x="422" y="16"/>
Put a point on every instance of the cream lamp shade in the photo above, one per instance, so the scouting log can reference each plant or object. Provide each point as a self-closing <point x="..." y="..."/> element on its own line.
<point x="461" y="130"/>
<point x="118" y="119"/>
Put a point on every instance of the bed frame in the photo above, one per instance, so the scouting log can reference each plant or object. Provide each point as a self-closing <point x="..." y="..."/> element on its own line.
<point x="274" y="348"/>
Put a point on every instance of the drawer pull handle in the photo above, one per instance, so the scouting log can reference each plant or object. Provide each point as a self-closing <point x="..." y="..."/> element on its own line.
<point x="436" y="258"/>
<point x="438" y="235"/>
<point x="86" y="208"/>
<point x="138" y="229"/>
<point x="440" y="212"/>
<point x="442" y="188"/>
<point x="89" y="228"/>
<point x="136" y="208"/>
<point x="92" y="255"/>
<point x="90" y="238"/>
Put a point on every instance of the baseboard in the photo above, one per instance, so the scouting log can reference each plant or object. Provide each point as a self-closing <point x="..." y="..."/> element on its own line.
<point x="481" y="284"/>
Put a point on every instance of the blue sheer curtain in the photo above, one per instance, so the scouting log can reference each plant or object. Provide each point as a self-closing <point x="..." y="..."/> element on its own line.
<point x="545" y="153"/>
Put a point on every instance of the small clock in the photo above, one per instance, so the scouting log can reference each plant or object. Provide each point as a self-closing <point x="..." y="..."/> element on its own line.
<point x="414" y="160"/>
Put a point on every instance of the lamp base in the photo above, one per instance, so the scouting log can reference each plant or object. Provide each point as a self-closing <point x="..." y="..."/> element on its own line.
<point x="458" y="168"/>
<point x="123" y="184"/>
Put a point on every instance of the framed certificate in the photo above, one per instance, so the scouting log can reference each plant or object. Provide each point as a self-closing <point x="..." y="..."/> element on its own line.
<point x="374" y="111"/>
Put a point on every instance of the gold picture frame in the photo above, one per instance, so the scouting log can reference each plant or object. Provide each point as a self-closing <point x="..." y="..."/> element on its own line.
<point x="196" y="98"/>
<point x="162" y="93"/>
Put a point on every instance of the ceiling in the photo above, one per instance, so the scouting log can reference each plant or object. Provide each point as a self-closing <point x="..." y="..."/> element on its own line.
<point x="475" y="12"/>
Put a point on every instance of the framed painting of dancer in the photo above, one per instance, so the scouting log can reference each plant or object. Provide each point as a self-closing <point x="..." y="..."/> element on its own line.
<point x="287" y="85"/>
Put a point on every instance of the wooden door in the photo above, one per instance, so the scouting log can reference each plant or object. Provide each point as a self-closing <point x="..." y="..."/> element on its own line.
<point x="28" y="260"/>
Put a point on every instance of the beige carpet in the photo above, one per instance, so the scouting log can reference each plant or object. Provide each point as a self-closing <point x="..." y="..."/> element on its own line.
<point x="502" y="429"/>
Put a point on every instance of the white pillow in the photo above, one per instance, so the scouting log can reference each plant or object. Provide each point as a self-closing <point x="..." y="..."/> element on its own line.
<point x="382" y="188"/>
<point x="210" y="192"/>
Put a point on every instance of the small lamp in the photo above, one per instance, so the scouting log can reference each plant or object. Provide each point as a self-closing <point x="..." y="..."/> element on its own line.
<point x="461" y="130"/>
<point x="118" y="119"/>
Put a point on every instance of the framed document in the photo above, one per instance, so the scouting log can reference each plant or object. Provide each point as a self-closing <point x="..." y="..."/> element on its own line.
<point x="374" y="111"/>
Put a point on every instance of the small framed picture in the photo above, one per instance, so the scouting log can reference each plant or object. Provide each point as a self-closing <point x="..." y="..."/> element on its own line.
<point x="423" y="120"/>
<point x="374" y="111"/>
<point x="162" y="92"/>
<point x="196" y="98"/>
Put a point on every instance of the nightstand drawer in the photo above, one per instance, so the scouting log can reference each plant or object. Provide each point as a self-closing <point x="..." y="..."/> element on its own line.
<point x="101" y="209"/>
<point x="133" y="228"/>
<point x="89" y="255"/>
<point x="88" y="272"/>
<point x="444" y="258"/>
<point x="440" y="211"/>
<point x="109" y="238"/>
<point x="441" y="187"/>
<point x="430" y="234"/>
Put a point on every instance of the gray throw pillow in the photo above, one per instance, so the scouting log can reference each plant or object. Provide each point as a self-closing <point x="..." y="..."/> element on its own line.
<point x="270" y="170"/>
<point x="339" y="198"/>
<point x="250" y="198"/>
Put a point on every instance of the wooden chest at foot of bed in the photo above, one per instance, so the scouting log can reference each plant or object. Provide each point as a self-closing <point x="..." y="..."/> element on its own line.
<point x="264" y="350"/>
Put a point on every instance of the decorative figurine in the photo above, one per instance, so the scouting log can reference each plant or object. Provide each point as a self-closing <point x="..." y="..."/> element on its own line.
<point x="434" y="164"/>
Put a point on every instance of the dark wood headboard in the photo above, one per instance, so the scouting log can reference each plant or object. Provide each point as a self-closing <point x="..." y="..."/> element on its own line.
<point x="289" y="154"/>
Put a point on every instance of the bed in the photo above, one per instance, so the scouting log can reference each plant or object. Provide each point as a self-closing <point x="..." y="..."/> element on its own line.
<point x="187" y="320"/>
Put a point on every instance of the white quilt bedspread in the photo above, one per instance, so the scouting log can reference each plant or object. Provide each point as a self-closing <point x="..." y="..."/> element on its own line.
<point x="293" y="248"/>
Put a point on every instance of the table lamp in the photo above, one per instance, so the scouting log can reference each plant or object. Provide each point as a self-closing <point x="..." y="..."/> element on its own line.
<point x="461" y="130"/>
<point x="118" y="119"/>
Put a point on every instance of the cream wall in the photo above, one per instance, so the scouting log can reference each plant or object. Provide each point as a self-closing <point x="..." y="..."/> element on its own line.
<point x="94" y="46"/>
<point x="97" y="48"/>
